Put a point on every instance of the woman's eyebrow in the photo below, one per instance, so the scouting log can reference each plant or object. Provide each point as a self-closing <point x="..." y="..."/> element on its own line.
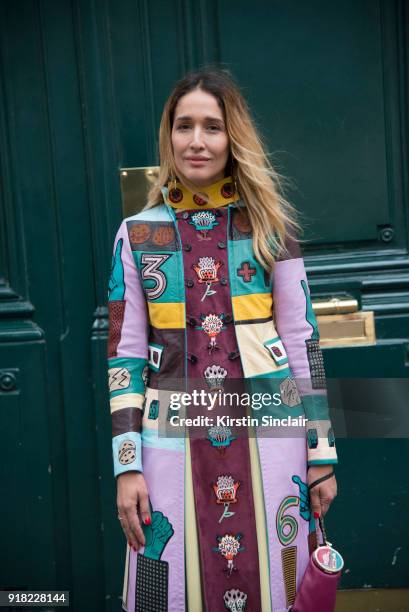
<point x="188" y="118"/>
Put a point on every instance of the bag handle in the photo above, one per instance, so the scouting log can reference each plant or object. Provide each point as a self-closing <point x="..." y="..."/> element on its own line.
<point x="319" y="480"/>
<point x="323" y="532"/>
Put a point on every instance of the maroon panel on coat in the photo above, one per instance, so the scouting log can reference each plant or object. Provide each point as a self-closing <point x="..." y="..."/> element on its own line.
<point x="173" y="356"/>
<point x="208" y="303"/>
<point x="126" y="419"/>
<point x="116" y="313"/>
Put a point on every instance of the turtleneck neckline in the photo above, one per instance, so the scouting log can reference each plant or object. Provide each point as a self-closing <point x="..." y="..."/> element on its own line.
<point x="215" y="195"/>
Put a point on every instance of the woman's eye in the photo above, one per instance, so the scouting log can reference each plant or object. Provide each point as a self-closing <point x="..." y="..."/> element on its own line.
<point x="214" y="128"/>
<point x="183" y="126"/>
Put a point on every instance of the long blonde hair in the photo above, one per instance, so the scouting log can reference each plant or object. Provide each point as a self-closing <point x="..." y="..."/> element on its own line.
<point x="272" y="217"/>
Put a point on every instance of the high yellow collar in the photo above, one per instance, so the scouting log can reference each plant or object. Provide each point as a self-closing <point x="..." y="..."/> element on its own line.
<point x="215" y="195"/>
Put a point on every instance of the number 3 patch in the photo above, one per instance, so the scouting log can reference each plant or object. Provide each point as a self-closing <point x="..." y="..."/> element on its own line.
<point x="151" y="271"/>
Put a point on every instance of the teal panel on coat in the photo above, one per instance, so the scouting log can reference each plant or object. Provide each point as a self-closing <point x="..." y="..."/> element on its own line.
<point x="128" y="366"/>
<point x="153" y="439"/>
<point x="126" y="452"/>
<point x="157" y="213"/>
<point x="116" y="286"/>
<point x="168" y="274"/>
<point x="316" y="407"/>
<point x="241" y="252"/>
<point x="282" y="374"/>
<point x="309" y="313"/>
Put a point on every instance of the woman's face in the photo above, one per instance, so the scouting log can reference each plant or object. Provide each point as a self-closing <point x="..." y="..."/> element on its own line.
<point x="199" y="139"/>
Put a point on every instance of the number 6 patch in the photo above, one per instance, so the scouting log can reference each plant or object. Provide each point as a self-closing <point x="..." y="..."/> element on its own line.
<point x="277" y="350"/>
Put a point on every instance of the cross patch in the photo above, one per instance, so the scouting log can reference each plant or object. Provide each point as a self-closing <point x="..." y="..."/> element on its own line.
<point x="246" y="271"/>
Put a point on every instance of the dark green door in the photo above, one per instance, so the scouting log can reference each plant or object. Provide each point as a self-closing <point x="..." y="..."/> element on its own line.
<point x="82" y="85"/>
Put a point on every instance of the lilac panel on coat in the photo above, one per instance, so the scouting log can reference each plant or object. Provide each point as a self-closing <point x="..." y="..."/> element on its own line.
<point x="134" y="336"/>
<point x="290" y="316"/>
<point x="280" y="460"/>
<point x="164" y="472"/>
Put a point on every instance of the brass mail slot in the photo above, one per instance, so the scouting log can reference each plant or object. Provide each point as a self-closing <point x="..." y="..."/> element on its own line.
<point x="336" y="305"/>
<point x="340" y="323"/>
<point x="347" y="329"/>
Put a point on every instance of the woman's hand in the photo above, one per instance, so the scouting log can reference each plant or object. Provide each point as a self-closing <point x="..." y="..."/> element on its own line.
<point x="322" y="494"/>
<point x="131" y="493"/>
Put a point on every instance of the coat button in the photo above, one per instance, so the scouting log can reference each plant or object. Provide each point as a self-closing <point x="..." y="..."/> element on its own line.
<point x="185" y="215"/>
<point x="221" y="245"/>
<point x="189" y="282"/>
<point x="223" y="280"/>
<point x="233" y="355"/>
<point x="191" y="320"/>
<point x="192" y="358"/>
<point x="187" y="247"/>
<point x="219" y="213"/>
<point x="228" y="318"/>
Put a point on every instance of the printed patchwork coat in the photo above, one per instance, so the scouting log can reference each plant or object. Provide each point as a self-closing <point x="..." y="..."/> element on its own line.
<point x="189" y="300"/>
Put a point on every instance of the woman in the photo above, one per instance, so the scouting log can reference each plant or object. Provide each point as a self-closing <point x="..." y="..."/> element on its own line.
<point x="208" y="285"/>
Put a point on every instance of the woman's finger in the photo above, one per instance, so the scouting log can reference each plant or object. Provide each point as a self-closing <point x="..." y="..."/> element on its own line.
<point x="135" y="527"/>
<point x="315" y="501"/>
<point x="325" y="504"/>
<point x="144" y="508"/>
<point x="127" y="512"/>
<point x="326" y="494"/>
<point x="127" y="531"/>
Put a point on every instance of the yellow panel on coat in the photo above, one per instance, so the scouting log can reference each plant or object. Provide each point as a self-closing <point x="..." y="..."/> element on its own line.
<point x="255" y="357"/>
<point x="252" y="306"/>
<point x="167" y="315"/>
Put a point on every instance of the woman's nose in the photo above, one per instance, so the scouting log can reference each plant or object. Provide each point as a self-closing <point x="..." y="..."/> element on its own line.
<point x="197" y="138"/>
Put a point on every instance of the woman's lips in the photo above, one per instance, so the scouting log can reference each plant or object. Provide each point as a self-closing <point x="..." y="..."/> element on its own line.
<point x="197" y="162"/>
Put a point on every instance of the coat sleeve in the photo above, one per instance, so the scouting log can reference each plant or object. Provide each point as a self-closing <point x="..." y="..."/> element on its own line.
<point x="127" y="355"/>
<point x="297" y="326"/>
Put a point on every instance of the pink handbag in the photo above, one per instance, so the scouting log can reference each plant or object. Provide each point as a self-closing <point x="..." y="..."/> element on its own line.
<point x="318" y="588"/>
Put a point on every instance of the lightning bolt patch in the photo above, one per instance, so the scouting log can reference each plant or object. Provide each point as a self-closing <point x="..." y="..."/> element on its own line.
<point x="119" y="378"/>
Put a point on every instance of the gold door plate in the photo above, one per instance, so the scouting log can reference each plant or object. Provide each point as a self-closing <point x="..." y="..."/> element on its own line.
<point x="135" y="184"/>
<point x="348" y="329"/>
